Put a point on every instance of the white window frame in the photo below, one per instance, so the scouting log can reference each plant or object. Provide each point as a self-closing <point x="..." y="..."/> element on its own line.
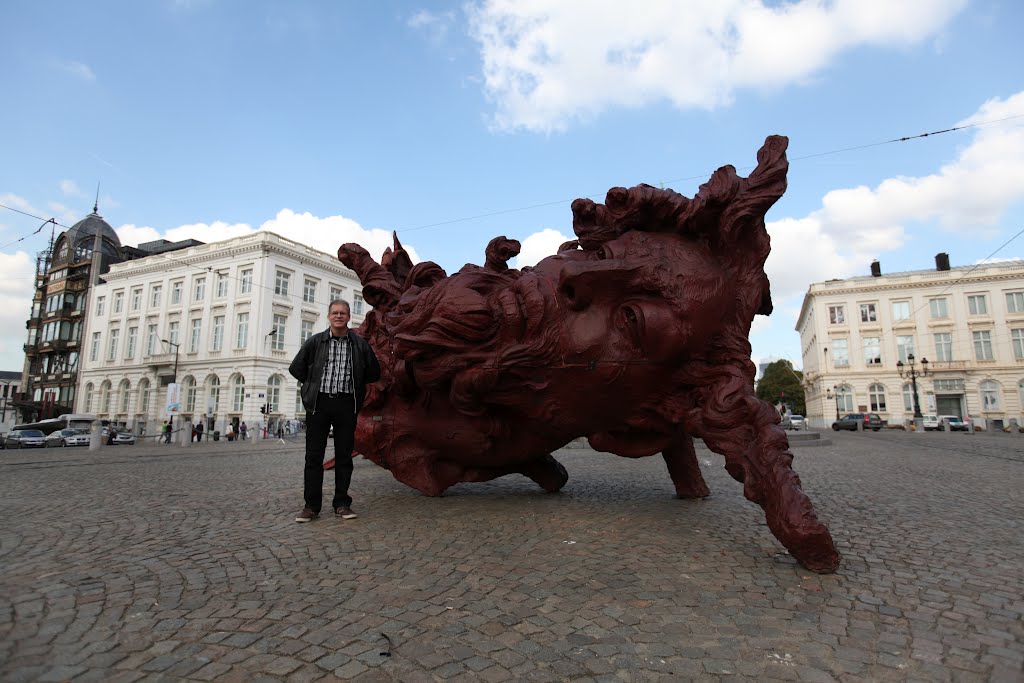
<point x="876" y="398"/>
<point x="242" y="330"/>
<point x="115" y="337"/>
<point x="982" y="345"/>
<point x="989" y="393"/>
<point x="837" y="314"/>
<point x="217" y="338"/>
<point x="309" y="290"/>
<point x="938" y="308"/>
<point x="195" y="334"/>
<point x="282" y="282"/>
<point x="900" y="310"/>
<point x="977" y="304"/>
<point x="245" y="286"/>
<point x="943" y="346"/>
<point x="278" y="326"/>
<point x="904" y="347"/>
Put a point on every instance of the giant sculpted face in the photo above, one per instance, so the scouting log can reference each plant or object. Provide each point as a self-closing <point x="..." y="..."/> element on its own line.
<point x="634" y="336"/>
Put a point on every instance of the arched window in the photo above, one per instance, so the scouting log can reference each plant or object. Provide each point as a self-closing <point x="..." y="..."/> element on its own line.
<point x="274" y="393"/>
<point x="989" y="395"/>
<point x="105" y="397"/>
<point x="124" y="393"/>
<point x="213" y="393"/>
<point x="237" y="393"/>
<point x="844" y="398"/>
<point x="144" y="396"/>
<point x="908" y="397"/>
<point x="188" y="388"/>
<point x="87" y="399"/>
<point x="876" y="397"/>
<point x="299" y="410"/>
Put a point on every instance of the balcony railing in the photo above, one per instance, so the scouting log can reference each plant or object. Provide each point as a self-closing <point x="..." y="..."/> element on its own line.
<point x="941" y="365"/>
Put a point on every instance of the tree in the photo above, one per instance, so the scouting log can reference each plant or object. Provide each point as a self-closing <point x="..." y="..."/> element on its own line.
<point x="781" y="382"/>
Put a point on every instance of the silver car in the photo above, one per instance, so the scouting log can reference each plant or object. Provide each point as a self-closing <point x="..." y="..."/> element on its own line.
<point x="25" y="438"/>
<point x="67" y="437"/>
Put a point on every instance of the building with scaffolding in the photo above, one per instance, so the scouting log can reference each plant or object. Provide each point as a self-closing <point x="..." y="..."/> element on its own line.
<point x="65" y="273"/>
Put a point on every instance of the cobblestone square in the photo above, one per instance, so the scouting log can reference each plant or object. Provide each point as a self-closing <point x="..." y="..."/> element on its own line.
<point x="162" y="563"/>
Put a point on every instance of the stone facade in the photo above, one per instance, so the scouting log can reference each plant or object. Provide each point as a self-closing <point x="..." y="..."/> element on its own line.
<point x="223" y="319"/>
<point x="967" y="322"/>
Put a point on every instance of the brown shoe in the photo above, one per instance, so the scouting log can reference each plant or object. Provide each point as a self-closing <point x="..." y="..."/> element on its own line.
<point x="306" y="515"/>
<point x="345" y="512"/>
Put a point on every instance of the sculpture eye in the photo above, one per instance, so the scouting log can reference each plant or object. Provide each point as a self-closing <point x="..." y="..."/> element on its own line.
<point x="631" y="320"/>
<point x="604" y="253"/>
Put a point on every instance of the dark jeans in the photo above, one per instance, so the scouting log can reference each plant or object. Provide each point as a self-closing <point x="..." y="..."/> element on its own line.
<point x="339" y="413"/>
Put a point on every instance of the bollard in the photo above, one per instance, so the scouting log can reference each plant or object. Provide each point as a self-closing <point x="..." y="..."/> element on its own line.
<point x="96" y="435"/>
<point x="185" y="435"/>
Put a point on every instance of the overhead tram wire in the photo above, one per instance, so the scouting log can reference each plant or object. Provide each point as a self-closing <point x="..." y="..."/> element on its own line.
<point x="553" y="203"/>
<point x="906" y="138"/>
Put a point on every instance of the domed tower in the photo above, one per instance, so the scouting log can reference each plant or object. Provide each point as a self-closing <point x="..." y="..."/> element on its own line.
<point x="77" y="245"/>
<point x="64" y="274"/>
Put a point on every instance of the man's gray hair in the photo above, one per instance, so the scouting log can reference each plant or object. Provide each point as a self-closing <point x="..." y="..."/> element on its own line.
<point x="340" y="302"/>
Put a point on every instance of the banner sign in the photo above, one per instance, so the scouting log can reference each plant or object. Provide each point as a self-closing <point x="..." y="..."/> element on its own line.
<point x="173" y="399"/>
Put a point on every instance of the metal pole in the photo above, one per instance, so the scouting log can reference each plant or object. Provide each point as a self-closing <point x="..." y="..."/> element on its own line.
<point x="913" y="384"/>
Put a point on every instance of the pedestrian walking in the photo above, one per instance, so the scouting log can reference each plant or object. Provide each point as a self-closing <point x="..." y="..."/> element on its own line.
<point x="334" y="368"/>
<point x="243" y="431"/>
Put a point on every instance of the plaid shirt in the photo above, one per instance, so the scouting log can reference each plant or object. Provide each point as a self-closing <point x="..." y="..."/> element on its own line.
<point x="338" y="369"/>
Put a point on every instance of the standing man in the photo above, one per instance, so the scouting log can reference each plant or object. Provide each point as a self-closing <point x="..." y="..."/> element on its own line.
<point x="334" y="368"/>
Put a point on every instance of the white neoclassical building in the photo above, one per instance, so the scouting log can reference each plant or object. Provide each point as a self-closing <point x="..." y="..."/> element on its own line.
<point x="967" y="322"/>
<point x="223" y="319"/>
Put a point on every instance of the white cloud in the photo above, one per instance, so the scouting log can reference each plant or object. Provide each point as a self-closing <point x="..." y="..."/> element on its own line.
<point x="15" y="306"/>
<point x="434" y="25"/>
<point x="538" y="246"/>
<point x="70" y="188"/>
<point x="79" y="70"/>
<point x="968" y="196"/>
<point x="547" y="63"/>
<point x="325" y="234"/>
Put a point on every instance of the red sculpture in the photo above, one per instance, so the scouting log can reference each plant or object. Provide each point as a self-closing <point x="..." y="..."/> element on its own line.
<point x="634" y="335"/>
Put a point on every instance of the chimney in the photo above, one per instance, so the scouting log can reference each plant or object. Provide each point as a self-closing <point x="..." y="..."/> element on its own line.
<point x="876" y="269"/>
<point x="942" y="261"/>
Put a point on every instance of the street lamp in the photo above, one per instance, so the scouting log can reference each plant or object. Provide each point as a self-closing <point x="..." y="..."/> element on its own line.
<point x="174" y="379"/>
<point x="913" y="374"/>
<point x="835" y="395"/>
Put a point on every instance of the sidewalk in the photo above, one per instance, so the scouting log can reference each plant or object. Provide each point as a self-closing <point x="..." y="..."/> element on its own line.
<point x="166" y="563"/>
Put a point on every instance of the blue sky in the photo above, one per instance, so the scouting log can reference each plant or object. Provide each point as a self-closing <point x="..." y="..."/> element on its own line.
<point x="451" y="123"/>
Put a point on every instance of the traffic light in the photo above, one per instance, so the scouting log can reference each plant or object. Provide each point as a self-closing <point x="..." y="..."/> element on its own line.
<point x="263" y="408"/>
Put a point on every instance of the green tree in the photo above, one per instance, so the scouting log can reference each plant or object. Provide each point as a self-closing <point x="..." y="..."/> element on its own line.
<point x="781" y="381"/>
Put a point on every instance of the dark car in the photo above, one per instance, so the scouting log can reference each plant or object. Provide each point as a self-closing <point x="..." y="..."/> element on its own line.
<point x="25" y="438"/>
<point x="67" y="437"/>
<point x="850" y="421"/>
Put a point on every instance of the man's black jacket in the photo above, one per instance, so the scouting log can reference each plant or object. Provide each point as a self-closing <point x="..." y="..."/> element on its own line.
<point x="308" y="367"/>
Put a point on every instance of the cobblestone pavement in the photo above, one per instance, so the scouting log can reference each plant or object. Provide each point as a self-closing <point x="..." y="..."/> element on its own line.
<point x="162" y="563"/>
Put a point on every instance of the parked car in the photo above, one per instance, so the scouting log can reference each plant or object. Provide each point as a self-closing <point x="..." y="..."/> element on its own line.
<point x="785" y="422"/>
<point x="850" y="421"/>
<point x="67" y="437"/>
<point x="931" y="423"/>
<point x="120" y="438"/>
<point x="956" y="423"/>
<point x="797" y="422"/>
<point x="25" y="438"/>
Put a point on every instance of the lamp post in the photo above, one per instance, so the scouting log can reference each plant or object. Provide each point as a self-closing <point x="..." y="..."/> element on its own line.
<point x="835" y="395"/>
<point x="913" y="374"/>
<point x="174" y="379"/>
